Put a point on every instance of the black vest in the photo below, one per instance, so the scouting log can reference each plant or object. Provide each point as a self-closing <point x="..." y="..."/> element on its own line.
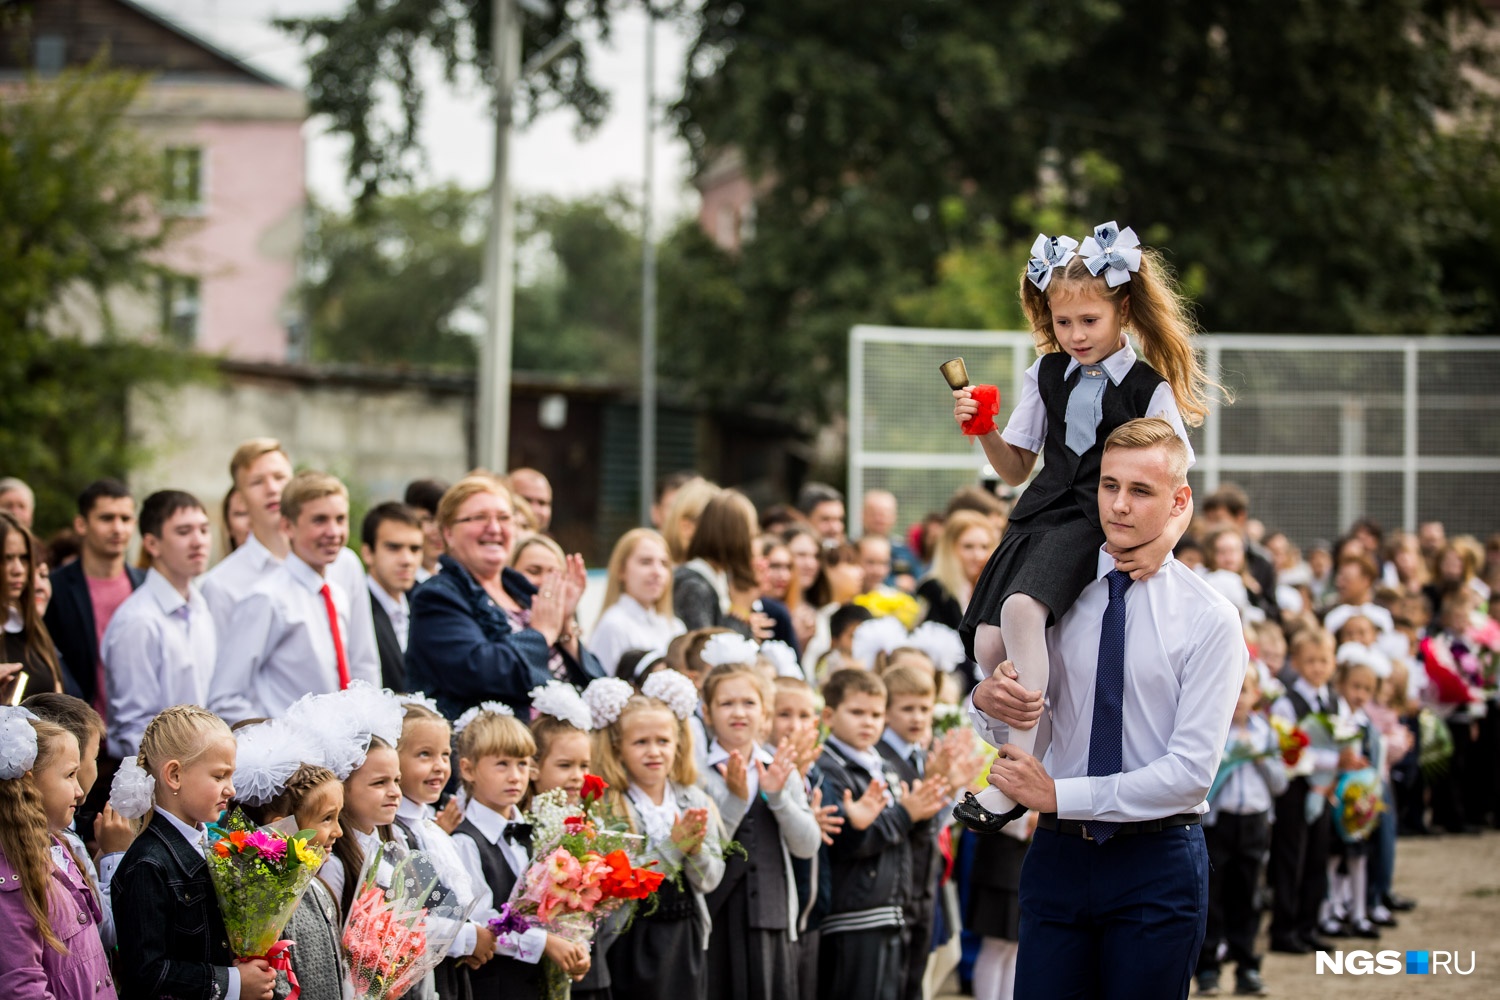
<point x="519" y="979"/>
<point x="1064" y="473"/>
<point x="760" y="872"/>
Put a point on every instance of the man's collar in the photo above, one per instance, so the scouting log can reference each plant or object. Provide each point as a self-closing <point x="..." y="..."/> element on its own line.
<point x="303" y="573"/>
<point x="393" y="605"/>
<point x="1116" y="366"/>
<point x="257" y="553"/>
<point x="166" y="595"/>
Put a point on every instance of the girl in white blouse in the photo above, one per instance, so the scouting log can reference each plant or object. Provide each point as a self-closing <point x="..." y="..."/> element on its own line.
<point x="637" y="600"/>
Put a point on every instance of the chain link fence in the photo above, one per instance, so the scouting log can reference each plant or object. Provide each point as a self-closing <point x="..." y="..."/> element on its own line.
<point x="1323" y="430"/>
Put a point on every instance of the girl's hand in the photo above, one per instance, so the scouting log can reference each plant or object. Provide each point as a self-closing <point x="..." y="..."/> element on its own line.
<point x="735" y="776"/>
<point x="807" y="750"/>
<point x="964" y="406"/>
<point x="1350" y="760"/>
<point x="547" y="611"/>
<point x="804" y="623"/>
<point x="861" y="812"/>
<point x="925" y="799"/>
<point x="484" y="945"/>
<point x="829" y="820"/>
<point x="112" y="832"/>
<point x="689" y="830"/>
<point x="257" y="979"/>
<point x="575" y="581"/>
<point x="773" y="777"/>
<point x="450" y="816"/>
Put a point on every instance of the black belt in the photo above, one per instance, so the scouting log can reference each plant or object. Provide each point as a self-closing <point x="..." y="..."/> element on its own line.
<point x="1079" y="828"/>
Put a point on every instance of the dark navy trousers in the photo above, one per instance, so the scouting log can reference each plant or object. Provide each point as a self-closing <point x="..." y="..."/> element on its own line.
<point x="1122" y="920"/>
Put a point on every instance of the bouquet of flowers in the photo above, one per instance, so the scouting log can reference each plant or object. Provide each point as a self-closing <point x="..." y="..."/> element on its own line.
<point x="582" y="873"/>
<point x="394" y="936"/>
<point x="903" y="607"/>
<point x="947" y="717"/>
<point x="1326" y="731"/>
<point x="1483" y="637"/>
<point x="1357" y="804"/>
<point x="259" y="876"/>
<point x="1291" y="740"/>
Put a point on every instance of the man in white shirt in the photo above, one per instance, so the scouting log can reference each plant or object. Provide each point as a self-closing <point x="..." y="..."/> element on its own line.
<point x="1145" y="675"/>
<point x="391" y="543"/>
<point x="260" y="470"/>
<point x="287" y="637"/>
<point x="160" y="646"/>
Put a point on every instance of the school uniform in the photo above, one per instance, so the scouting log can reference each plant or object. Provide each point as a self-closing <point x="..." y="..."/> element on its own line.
<point x="391" y="618"/>
<point x="1237" y="832"/>
<point x="418" y="826"/>
<point x="754" y="907"/>
<point x="318" y="959"/>
<point x="862" y="950"/>
<point x="910" y="764"/>
<point x="496" y="852"/>
<point x="662" y="954"/>
<point x="814" y="883"/>
<point x="31" y="969"/>
<point x="172" y="937"/>
<point x="1048" y="548"/>
<point x="1298" y="873"/>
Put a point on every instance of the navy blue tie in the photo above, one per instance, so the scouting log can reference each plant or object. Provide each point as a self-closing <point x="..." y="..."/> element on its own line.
<point x="1106" y="736"/>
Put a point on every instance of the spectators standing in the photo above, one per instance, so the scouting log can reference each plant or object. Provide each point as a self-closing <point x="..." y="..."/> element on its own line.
<point x="637" y="600"/>
<point x="423" y="496"/>
<point x="160" y="647"/>
<point x="29" y="653"/>
<point x="235" y="514"/>
<point x="392" y="543"/>
<point x="538" y="557"/>
<point x="959" y="558"/>
<point x="17" y="500"/>
<point x="1229" y="506"/>
<point x="823" y="506"/>
<point x="533" y="487"/>
<point x="720" y="562"/>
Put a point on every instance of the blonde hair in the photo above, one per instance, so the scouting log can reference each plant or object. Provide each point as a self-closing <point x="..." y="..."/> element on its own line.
<point x="1153" y="432"/>
<point x="1303" y="638"/>
<point x="307" y="486"/>
<point x="687" y="504"/>
<point x="248" y="453"/>
<point x="726" y="671"/>
<point x="1152" y="306"/>
<point x="607" y="764"/>
<point x="466" y="489"/>
<point x="182" y="733"/>
<point x="492" y="734"/>
<point x="623" y="550"/>
<point x="545" y="729"/>
<point x="908" y="658"/>
<point x="908" y="681"/>
<point x="24" y="836"/>
<point x="419" y="713"/>
<point x="545" y="542"/>
<point x="947" y="568"/>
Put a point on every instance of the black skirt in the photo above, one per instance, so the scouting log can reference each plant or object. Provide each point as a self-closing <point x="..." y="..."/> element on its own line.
<point x="994" y="905"/>
<point x="661" y="955"/>
<point x="1051" y="557"/>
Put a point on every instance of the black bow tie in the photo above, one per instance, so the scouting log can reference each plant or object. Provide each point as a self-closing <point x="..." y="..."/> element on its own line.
<point x="517" y="833"/>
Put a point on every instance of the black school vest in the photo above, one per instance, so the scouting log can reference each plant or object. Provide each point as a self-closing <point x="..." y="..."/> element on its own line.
<point x="512" y="978"/>
<point x="1064" y="473"/>
<point x="760" y="872"/>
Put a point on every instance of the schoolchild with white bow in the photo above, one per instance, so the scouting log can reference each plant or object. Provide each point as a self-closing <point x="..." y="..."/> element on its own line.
<point x="425" y="753"/>
<point x="172" y="937"/>
<point x="1082" y="302"/>
<point x="48" y="903"/>
<point x="494" y="841"/>
<point x="643" y="751"/>
<point x="1345" y="912"/>
<point x="275" y="786"/>
<point x="759" y="793"/>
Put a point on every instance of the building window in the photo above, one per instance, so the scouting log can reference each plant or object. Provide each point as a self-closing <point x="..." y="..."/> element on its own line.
<point x="184" y="180"/>
<point x="50" y="54"/>
<point x="181" y="307"/>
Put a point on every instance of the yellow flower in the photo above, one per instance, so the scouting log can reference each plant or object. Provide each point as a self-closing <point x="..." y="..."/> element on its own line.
<point x="903" y="607"/>
<point x="309" y="856"/>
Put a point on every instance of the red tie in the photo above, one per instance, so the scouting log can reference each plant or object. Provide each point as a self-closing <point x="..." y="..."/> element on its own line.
<point x="338" y="639"/>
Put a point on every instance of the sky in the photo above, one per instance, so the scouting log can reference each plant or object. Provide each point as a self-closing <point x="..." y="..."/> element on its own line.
<point x="457" y="133"/>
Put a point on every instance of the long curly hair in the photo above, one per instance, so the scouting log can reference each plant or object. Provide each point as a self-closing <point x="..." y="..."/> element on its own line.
<point x="1152" y="307"/>
<point x="24" y="836"/>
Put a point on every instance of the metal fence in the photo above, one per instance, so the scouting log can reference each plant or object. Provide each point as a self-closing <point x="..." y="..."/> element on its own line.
<point x="1323" y="430"/>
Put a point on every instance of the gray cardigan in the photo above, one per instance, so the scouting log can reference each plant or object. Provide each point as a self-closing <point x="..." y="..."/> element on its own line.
<point x="318" y="955"/>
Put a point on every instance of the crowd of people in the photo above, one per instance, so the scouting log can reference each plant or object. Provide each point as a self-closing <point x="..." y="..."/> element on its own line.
<point x="1183" y="716"/>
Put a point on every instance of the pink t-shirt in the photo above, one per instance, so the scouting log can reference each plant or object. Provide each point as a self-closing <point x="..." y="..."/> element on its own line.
<point x="105" y="596"/>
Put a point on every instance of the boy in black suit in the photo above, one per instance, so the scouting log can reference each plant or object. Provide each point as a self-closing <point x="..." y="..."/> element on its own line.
<point x="391" y="546"/>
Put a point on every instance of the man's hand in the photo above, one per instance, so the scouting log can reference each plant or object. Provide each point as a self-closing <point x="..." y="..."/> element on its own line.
<point x="1001" y="697"/>
<point x="1021" y="776"/>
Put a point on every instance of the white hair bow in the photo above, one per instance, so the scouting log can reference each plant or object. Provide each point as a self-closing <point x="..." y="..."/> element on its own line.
<point x="1048" y="253"/>
<point x="1112" y="248"/>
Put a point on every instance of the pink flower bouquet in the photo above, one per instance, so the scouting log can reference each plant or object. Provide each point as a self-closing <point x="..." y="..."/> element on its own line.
<point x="395" y="935"/>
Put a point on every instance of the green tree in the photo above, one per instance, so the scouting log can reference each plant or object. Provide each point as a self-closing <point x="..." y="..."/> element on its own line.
<point x="392" y="282"/>
<point x="78" y="220"/>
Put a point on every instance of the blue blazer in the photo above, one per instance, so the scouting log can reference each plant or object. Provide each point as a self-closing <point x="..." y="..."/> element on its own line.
<point x="70" y="619"/>
<point x="461" y="649"/>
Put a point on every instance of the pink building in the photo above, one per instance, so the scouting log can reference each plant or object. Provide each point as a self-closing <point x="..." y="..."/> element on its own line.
<point x="232" y="166"/>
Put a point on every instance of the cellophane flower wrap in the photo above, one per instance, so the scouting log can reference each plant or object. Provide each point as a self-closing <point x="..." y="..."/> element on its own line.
<point x="259" y="875"/>
<point x="1325" y="731"/>
<point x="395" y="935"/>
<point x="1357" y="804"/>
<point x="582" y="872"/>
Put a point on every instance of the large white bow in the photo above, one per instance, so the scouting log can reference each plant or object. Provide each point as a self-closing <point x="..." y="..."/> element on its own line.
<point x="1048" y="253"/>
<point x="1112" y="248"/>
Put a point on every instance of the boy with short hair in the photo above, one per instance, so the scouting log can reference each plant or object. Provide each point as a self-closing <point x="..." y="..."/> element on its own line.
<point x="288" y="636"/>
<point x="911" y="696"/>
<point x="1299" y="849"/>
<point x="861" y="951"/>
<point x="391" y="544"/>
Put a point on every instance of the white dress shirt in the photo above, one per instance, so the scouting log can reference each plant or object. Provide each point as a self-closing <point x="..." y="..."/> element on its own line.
<point x="529" y="945"/>
<point x="628" y="624"/>
<point x="279" y="645"/>
<point x="159" y="650"/>
<point x="1185" y="661"/>
<point x="1027" y="426"/>
<point x="396" y="609"/>
<point x="250" y="565"/>
<point x="198" y="838"/>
